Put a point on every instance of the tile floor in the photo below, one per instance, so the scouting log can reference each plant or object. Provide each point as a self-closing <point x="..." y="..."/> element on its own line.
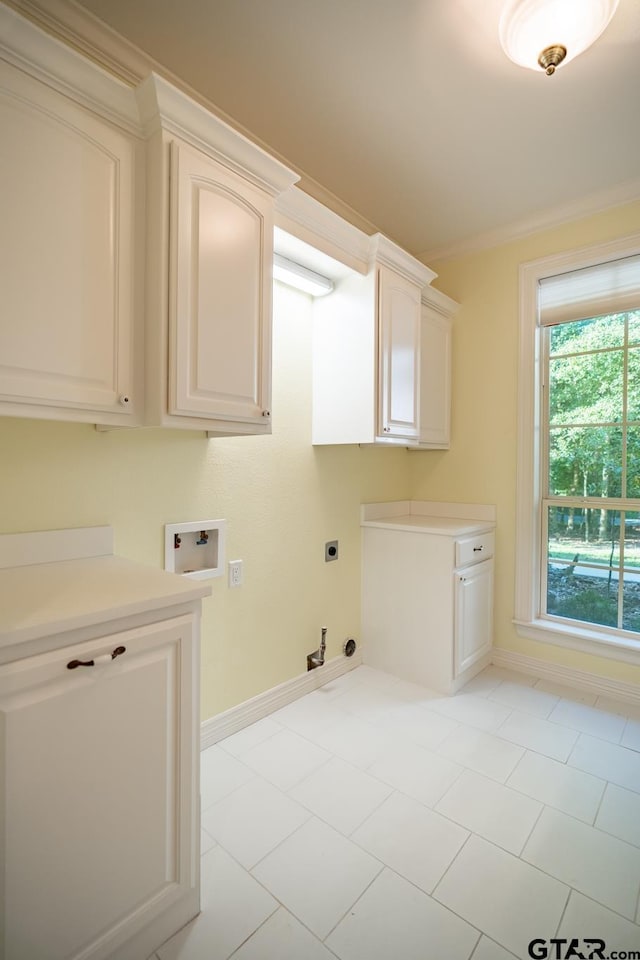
<point x="375" y="820"/>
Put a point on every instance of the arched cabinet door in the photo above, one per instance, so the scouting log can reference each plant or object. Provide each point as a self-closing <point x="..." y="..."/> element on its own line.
<point x="69" y="257"/>
<point x="219" y="293"/>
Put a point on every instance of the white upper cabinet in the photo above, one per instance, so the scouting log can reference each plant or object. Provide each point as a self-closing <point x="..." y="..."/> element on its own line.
<point x="382" y="355"/>
<point x="210" y="241"/>
<point x="71" y="194"/>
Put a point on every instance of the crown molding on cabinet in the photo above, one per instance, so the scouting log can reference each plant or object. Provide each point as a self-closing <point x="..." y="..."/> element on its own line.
<point x="53" y="62"/>
<point x="439" y="302"/>
<point x="386" y="253"/>
<point x="163" y="106"/>
<point x="310" y="221"/>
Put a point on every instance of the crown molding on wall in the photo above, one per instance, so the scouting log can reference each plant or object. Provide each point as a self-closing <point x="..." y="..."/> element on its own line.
<point x="387" y="253"/>
<point x="440" y="302"/>
<point x="556" y="216"/>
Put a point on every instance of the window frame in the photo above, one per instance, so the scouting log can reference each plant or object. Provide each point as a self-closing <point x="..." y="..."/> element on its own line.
<point x="530" y="521"/>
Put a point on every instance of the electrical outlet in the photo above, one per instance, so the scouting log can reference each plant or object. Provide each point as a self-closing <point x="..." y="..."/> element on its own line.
<point x="235" y="573"/>
<point x="331" y="550"/>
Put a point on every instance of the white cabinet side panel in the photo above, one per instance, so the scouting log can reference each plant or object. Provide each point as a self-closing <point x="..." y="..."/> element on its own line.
<point x="407" y="605"/>
<point x="435" y="379"/>
<point x="344" y="363"/>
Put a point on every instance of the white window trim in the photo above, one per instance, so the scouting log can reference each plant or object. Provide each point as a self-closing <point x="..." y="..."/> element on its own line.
<point x="529" y="623"/>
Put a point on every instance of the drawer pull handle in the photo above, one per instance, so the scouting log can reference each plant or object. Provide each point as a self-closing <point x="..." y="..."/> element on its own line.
<point x="479" y="549"/>
<point x="91" y="663"/>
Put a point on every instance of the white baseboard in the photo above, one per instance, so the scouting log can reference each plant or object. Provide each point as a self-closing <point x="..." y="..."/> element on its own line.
<point x="580" y="679"/>
<point x="236" y="718"/>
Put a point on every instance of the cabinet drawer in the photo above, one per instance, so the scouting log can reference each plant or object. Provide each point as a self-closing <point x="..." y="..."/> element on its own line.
<point x="474" y="549"/>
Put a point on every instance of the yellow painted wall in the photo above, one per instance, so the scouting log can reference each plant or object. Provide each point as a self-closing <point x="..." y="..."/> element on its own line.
<point x="281" y="497"/>
<point x="481" y="464"/>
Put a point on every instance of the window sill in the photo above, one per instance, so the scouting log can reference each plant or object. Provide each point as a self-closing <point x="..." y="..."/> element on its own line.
<point x="574" y="637"/>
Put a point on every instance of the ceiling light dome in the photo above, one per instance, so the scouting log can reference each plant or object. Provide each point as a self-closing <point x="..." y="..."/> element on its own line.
<point x="545" y="33"/>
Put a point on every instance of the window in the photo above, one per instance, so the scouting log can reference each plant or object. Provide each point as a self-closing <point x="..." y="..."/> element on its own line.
<point x="578" y="549"/>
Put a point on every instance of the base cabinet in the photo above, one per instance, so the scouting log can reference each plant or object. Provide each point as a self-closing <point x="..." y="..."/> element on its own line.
<point x="98" y="790"/>
<point x="427" y="602"/>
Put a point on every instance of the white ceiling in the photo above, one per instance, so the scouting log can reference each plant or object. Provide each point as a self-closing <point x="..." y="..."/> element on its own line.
<point x="408" y="111"/>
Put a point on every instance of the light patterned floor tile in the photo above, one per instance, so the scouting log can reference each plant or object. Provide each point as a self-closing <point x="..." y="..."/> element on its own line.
<point x="411" y="839"/>
<point x="317" y="874"/>
<point x="491" y="810"/>
<point x="417" y="724"/>
<point x="285" y="759"/>
<point x="597" y="723"/>
<point x="598" y="865"/>
<point x="253" y="820"/>
<point x="340" y="794"/>
<point x="524" y="698"/>
<point x="489" y="678"/>
<point x="489" y="950"/>
<point x="483" y="752"/>
<point x="509" y="900"/>
<point x="544" y="737"/>
<point x="623" y="707"/>
<point x="309" y="714"/>
<point x="233" y="906"/>
<point x="572" y="791"/>
<point x="420" y="774"/>
<point x="565" y="692"/>
<point x="631" y="735"/>
<point x="619" y="814"/>
<point x="475" y="711"/>
<point x="584" y="918"/>
<point x="206" y="842"/>
<point x="394" y="919"/>
<point x="282" y="937"/>
<point x="220" y="775"/>
<point x="355" y="740"/>
<point x="239" y="743"/>
<point x="607" y="760"/>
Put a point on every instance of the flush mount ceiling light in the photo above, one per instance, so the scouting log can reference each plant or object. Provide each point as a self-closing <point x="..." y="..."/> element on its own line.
<point x="295" y="275"/>
<point x="545" y="33"/>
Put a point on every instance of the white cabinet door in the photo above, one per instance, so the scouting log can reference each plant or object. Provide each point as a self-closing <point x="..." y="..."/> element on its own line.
<point x="474" y="614"/>
<point x="98" y="783"/>
<point x="67" y="258"/>
<point x="435" y="379"/>
<point x="220" y="294"/>
<point x="399" y="355"/>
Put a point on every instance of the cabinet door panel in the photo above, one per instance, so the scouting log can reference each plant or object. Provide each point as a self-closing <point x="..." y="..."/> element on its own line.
<point x="92" y="764"/>
<point x="399" y="316"/>
<point x="66" y="252"/>
<point x="221" y="299"/>
<point x="474" y="614"/>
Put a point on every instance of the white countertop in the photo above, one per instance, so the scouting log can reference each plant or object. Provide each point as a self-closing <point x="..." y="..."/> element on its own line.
<point x="442" y="526"/>
<point x="45" y="599"/>
<point x="428" y="516"/>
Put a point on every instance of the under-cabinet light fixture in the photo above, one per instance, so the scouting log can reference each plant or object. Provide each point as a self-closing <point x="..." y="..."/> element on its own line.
<point x="295" y="275"/>
<point x="546" y="33"/>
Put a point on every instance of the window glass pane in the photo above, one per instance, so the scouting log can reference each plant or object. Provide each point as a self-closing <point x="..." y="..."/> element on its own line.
<point x="585" y="461"/>
<point x="586" y="389"/>
<point x="631" y="583"/>
<point x="587" y="335"/>
<point x="634" y="326"/>
<point x="633" y="384"/>
<point x="633" y="462"/>
<point x="583" y="567"/>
